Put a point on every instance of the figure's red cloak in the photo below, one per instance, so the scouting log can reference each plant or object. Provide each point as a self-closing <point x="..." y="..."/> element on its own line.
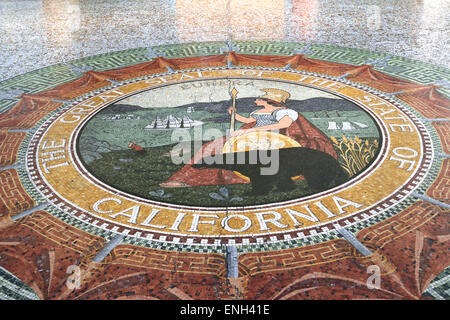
<point x="301" y="130"/>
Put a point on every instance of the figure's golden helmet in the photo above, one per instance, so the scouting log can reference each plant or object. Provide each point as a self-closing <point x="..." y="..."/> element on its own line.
<point x="277" y="95"/>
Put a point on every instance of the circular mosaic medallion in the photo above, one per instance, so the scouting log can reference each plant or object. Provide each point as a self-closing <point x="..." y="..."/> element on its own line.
<point x="146" y="157"/>
<point x="310" y="159"/>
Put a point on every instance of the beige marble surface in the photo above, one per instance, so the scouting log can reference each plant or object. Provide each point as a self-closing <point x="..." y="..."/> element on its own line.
<point x="35" y="34"/>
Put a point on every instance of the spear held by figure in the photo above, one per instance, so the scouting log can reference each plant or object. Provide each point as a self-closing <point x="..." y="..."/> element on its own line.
<point x="233" y="93"/>
<point x="319" y="167"/>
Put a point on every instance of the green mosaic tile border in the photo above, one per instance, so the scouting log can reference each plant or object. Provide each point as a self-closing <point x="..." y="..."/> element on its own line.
<point x="401" y="67"/>
<point x="439" y="288"/>
<point x="12" y="288"/>
<point x="37" y="81"/>
<point x="6" y="104"/>
<point x="289" y="244"/>
<point x="54" y="75"/>
<point x="173" y="246"/>
<point x="51" y="76"/>
<point x="191" y="49"/>
<point x="113" y="60"/>
<point x="29" y="186"/>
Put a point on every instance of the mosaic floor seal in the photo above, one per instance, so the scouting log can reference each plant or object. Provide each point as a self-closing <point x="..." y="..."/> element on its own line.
<point x="235" y="166"/>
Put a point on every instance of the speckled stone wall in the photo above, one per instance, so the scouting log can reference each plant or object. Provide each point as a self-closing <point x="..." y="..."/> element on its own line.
<point x="35" y="34"/>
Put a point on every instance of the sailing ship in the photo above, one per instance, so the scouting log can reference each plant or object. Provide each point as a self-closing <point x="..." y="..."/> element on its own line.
<point x="346" y="125"/>
<point x="171" y="122"/>
<point x="190" y="109"/>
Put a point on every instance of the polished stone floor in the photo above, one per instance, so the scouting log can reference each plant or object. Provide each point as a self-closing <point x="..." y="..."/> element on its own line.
<point x="36" y="34"/>
<point x="94" y="205"/>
